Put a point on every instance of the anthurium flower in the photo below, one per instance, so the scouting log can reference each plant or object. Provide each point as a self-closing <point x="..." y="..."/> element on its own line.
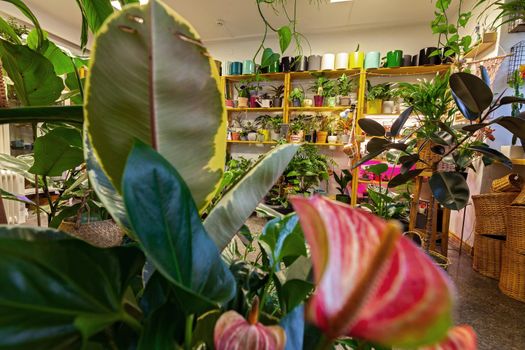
<point x="458" y="338"/>
<point x="371" y="283"/>
<point x="234" y="332"/>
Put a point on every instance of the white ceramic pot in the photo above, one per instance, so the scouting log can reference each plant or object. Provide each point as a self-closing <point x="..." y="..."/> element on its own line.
<point x="332" y="139"/>
<point x="328" y="62"/>
<point x="331" y="101"/>
<point x="252" y="136"/>
<point x="388" y="107"/>
<point x="275" y="135"/>
<point x="341" y="60"/>
<point x="513" y="152"/>
<point x="308" y="102"/>
<point x="353" y="97"/>
<point x="344" y="138"/>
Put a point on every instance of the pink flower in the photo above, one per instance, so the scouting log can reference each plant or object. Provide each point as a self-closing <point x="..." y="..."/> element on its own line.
<point x="372" y="283"/>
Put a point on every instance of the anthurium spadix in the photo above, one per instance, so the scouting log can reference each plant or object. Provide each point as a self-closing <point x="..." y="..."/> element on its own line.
<point x="372" y="283"/>
<point x="458" y="338"/>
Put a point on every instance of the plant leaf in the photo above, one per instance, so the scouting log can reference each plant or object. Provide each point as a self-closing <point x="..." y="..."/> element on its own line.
<point x="57" y="151"/>
<point x="474" y="127"/>
<point x="471" y="91"/>
<point x="464" y="110"/>
<point x="95" y="12"/>
<point x="371" y="127"/>
<point x="450" y="189"/>
<point x="66" y="114"/>
<point x="377" y="169"/>
<point x="52" y="299"/>
<point x="155" y="100"/>
<point x="294" y="292"/>
<point x="511" y="99"/>
<point x="369" y="156"/>
<point x="285" y="37"/>
<point x="376" y="144"/>
<point x="62" y="63"/>
<point x="515" y="125"/>
<point x="7" y="30"/>
<point x="293" y="325"/>
<point x="236" y="205"/>
<point x="493" y="154"/>
<point x="33" y="76"/>
<point x="167" y="224"/>
<point x="368" y="276"/>
<point x="401" y="179"/>
<point x="27" y="12"/>
<point x="400" y="121"/>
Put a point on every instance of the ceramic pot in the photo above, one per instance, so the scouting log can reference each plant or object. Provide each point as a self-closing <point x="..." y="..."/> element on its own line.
<point x="353" y="97"/>
<point x="236" y="68"/>
<point x="314" y="62"/>
<point x="228" y="68"/>
<point x="300" y="64"/>
<point x="229" y="103"/>
<point x="345" y="100"/>
<point x="332" y="139"/>
<point x="275" y="67"/>
<point x="374" y="106"/>
<point x="328" y="62"/>
<point x="331" y="101"/>
<point x="341" y="60"/>
<point x="296" y="102"/>
<point x="277" y="102"/>
<point x="253" y="102"/>
<point x="407" y="60"/>
<point x="252" y="136"/>
<point x="394" y="59"/>
<point x="308" y="138"/>
<point x="248" y="67"/>
<point x="307" y="102"/>
<point x="286" y="64"/>
<point x="295" y="138"/>
<point x="244" y="137"/>
<point x="265" y="134"/>
<point x="242" y="102"/>
<point x="425" y="60"/>
<point x="357" y="60"/>
<point x="321" y="136"/>
<point x="274" y="136"/>
<point x="265" y="103"/>
<point x="344" y="138"/>
<point x="318" y="101"/>
<point x="236" y="136"/>
<point x="415" y="60"/>
<point x="373" y="59"/>
<point x="388" y="107"/>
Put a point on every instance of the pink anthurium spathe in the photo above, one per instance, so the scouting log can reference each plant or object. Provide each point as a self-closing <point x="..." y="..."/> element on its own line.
<point x="458" y="338"/>
<point x="372" y="283"/>
<point x="234" y="332"/>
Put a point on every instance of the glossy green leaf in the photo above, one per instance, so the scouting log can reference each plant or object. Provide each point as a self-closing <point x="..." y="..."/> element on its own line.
<point x="464" y="110"/>
<point x="34" y="78"/>
<point x="511" y="99"/>
<point x="174" y="105"/>
<point x="294" y="292"/>
<point x="285" y="37"/>
<point x="160" y="328"/>
<point x="269" y="57"/>
<point x="493" y="154"/>
<point x="472" y="91"/>
<point x="398" y="124"/>
<point x="284" y="240"/>
<point x="62" y="63"/>
<point x="166" y="222"/>
<point x="57" y="151"/>
<point x="49" y="299"/>
<point x="369" y="156"/>
<point x="450" y="189"/>
<point x="235" y="206"/>
<point x="7" y="30"/>
<point x="95" y="12"/>
<point x="377" y="169"/>
<point x="403" y="178"/>
<point x="376" y="144"/>
<point x="371" y="127"/>
<point x="27" y="12"/>
<point x="515" y="125"/>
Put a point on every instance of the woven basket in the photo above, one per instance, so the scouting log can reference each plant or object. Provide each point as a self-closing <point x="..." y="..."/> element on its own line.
<point x="426" y="155"/>
<point x="3" y="93"/>
<point x="515" y="217"/>
<point x="490" y="212"/>
<point x="508" y="183"/>
<point x="103" y="234"/>
<point x="512" y="278"/>
<point x="520" y="199"/>
<point x="487" y="255"/>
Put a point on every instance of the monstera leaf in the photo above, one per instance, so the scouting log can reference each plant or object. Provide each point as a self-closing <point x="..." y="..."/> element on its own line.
<point x="164" y="91"/>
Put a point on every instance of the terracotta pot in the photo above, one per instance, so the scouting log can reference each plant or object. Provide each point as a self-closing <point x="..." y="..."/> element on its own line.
<point x="321" y="136"/>
<point x="236" y="136"/>
<point x="242" y="102"/>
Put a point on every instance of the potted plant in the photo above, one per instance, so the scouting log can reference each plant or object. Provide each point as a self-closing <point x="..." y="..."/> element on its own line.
<point x="277" y="95"/>
<point x="243" y="94"/>
<point x="374" y="97"/>
<point x="389" y="100"/>
<point x="343" y="180"/>
<point x="318" y="89"/>
<point x="323" y="128"/>
<point x="296" y="97"/>
<point x="309" y="126"/>
<point x="517" y="82"/>
<point x="346" y="88"/>
<point x="344" y="126"/>
<point x="330" y="92"/>
<point x="296" y="130"/>
<point x="275" y="127"/>
<point x="264" y="122"/>
<point x="251" y="131"/>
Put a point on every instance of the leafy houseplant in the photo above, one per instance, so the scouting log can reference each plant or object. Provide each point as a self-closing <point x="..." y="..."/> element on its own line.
<point x="277" y="95"/>
<point x="243" y="94"/>
<point x="264" y="123"/>
<point x="296" y="96"/>
<point x="321" y="83"/>
<point x="343" y="180"/>
<point x="510" y="12"/>
<point x="297" y="129"/>
<point x="345" y="87"/>
<point x="375" y="96"/>
<point x="275" y="126"/>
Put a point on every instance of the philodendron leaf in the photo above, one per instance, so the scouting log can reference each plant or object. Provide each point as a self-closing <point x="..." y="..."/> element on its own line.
<point x="57" y="291"/>
<point x="511" y="99"/>
<point x="450" y="189"/>
<point x="403" y="178"/>
<point x="493" y="154"/>
<point x="167" y="224"/>
<point x="7" y="30"/>
<point x="472" y="91"/>
<point x="57" y="151"/>
<point x="235" y="206"/>
<point x="285" y="37"/>
<point x="268" y="57"/>
<point x="175" y="105"/>
<point x="62" y="63"/>
<point x="376" y="144"/>
<point x="33" y="76"/>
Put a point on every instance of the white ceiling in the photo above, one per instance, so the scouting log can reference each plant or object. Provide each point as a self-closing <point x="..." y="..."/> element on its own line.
<point x="241" y="19"/>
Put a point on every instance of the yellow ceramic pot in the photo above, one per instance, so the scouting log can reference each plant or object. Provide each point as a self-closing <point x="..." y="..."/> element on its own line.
<point x="357" y="60"/>
<point x="374" y="107"/>
<point x="321" y="136"/>
<point x="266" y="134"/>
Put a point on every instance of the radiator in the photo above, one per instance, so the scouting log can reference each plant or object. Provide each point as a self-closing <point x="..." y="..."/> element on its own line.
<point x="13" y="183"/>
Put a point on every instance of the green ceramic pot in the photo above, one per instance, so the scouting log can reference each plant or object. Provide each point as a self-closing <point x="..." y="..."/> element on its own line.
<point x="394" y="58"/>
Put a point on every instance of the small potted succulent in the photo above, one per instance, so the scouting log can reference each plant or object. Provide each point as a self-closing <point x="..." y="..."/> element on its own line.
<point x="277" y="95"/>
<point x="243" y="95"/>
<point x="375" y="96"/>
<point x="318" y="89"/>
<point x="389" y="100"/>
<point x="343" y="180"/>
<point x="296" y="97"/>
<point x="346" y="88"/>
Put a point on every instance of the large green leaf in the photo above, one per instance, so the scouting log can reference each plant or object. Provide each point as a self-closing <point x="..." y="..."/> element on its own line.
<point x="164" y="91"/>
<point x="57" y="151"/>
<point x="27" y="12"/>
<point x="34" y="78"/>
<point x="493" y="154"/>
<point x="95" y="12"/>
<point x="236" y="206"/>
<point x="62" y="63"/>
<point x="294" y="292"/>
<point x="515" y="125"/>
<point x="450" y="189"/>
<point x="471" y="91"/>
<point x="168" y="226"/>
<point x="66" y="114"/>
<point x="285" y="37"/>
<point x="58" y="291"/>
<point x="8" y="31"/>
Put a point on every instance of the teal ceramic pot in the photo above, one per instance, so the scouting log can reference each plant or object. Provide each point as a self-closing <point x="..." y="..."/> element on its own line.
<point x="248" y="67"/>
<point x="372" y="60"/>
<point x="236" y="68"/>
<point x="394" y="58"/>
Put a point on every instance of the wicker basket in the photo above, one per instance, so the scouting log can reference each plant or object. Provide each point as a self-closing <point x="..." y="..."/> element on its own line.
<point x="515" y="217"/>
<point x="508" y="183"/>
<point x="512" y="279"/>
<point x="490" y="212"/>
<point x="520" y="199"/>
<point x="487" y="255"/>
<point x="103" y="234"/>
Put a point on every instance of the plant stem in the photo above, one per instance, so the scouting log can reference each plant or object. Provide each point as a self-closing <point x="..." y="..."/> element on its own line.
<point x="324" y="343"/>
<point x="188" y="332"/>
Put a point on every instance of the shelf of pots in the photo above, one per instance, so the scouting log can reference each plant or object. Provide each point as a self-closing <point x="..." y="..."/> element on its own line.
<point x="412" y="70"/>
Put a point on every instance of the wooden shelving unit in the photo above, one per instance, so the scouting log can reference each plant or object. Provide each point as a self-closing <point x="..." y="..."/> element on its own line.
<point x="518" y="161"/>
<point x="487" y="42"/>
<point x="247" y="109"/>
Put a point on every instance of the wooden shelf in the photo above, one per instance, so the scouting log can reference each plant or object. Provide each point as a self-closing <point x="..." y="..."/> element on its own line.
<point x="327" y="73"/>
<point x="489" y="41"/>
<point x="412" y="70"/>
<point x="326" y="144"/>
<point x="267" y="76"/>
<point x="318" y="109"/>
<point x="257" y="109"/>
<point x="252" y="142"/>
<point x="518" y="161"/>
